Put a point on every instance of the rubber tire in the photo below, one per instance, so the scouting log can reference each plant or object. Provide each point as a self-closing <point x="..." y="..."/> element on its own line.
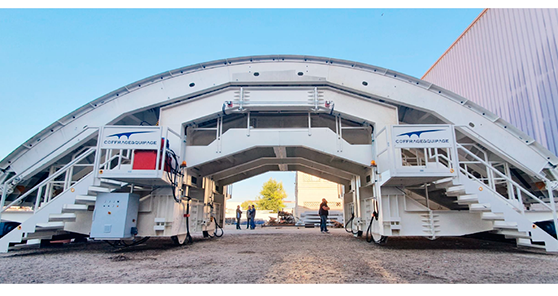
<point x="187" y="241"/>
<point x="380" y="241"/>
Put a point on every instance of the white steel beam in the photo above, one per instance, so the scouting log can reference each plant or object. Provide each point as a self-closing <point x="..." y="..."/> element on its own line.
<point x="285" y="161"/>
<point x="215" y="82"/>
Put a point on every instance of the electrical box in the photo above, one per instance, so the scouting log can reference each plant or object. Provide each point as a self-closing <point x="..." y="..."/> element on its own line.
<point x="115" y="216"/>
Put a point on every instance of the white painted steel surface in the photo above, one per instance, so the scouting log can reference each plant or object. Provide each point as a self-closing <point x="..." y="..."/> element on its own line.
<point x="236" y="140"/>
<point x="381" y="84"/>
<point x="294" y="88"/>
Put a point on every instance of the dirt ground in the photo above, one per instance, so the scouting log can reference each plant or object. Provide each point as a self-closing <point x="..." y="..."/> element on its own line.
<point x="282" y="256"/>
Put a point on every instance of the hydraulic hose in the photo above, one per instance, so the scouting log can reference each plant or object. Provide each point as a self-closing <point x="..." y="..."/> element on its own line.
<point x="188" y="236"/>
<point x="383" y="239"/>
<point x="173" y="172"/>
<point x="123" y="244"/>
<point x="350" y="221"/>
<point x="134" y="243"/>
<point x="369" y="229"/>
<point x="217" y="226"/>
<point x="347" y="224"/>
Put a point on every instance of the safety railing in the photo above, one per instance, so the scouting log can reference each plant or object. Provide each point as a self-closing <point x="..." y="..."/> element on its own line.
<point x="413" y="157"/>
<point x="29" y="171"/>
<point x="516" y="193"/>
<point x="519" y="191"/>
<point x="423" y="157"/>
<point x="470" y="164"/>
<point x="62" y="179"/>
<point x="229" y="192"/>
<point x="112" y="159"/>
<point x="441" y="156"/>
<point x="483" y="173"/>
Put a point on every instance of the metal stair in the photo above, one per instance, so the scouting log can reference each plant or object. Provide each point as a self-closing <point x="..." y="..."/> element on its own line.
<point x="64" y="217"/>
<point x="506" y="218"/>
<point x="75" y="208"/>
<point x="85" y="199"/>
<point x="477" y="207"/>
<point x="51" y="219"/>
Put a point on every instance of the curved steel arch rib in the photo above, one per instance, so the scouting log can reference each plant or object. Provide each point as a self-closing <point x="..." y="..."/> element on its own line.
<point x="200" y="80"/>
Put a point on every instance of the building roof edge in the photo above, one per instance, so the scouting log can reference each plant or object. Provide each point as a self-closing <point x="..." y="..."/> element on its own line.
<point x="455" y="42"/>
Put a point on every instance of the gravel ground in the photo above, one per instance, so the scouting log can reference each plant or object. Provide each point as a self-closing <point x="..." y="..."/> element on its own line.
<point x="284" y="255"/>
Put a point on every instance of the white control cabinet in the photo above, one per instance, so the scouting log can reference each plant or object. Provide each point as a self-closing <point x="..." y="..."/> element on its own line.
<point x="115" y="216"/>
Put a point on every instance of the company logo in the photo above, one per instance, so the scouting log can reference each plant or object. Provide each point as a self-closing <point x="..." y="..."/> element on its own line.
<point x="418" y="133"/>
<point x="422" y="137"/>
<point x="127" y="135"/>
<point x="124" y="139"/>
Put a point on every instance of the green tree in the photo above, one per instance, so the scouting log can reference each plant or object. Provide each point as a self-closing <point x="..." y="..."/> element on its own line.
<point x="244" y="205"/>
<point x="272" y="196"/>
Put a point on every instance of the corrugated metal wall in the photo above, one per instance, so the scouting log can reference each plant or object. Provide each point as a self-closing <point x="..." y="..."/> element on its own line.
<point x="507" y="62"/>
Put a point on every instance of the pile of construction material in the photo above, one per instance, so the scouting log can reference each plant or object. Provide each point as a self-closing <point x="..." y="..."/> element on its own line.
<point x="283" y="219"/>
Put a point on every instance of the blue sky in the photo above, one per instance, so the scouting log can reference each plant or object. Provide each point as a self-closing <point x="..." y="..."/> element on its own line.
<point x="55" y="61"/>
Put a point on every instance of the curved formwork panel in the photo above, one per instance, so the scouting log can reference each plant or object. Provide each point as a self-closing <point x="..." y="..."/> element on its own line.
<point x="415" y="159"/>
<point x="192" y="83"/>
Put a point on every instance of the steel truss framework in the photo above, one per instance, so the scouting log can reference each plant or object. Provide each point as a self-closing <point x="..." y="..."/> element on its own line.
<point x="414" y="159"/>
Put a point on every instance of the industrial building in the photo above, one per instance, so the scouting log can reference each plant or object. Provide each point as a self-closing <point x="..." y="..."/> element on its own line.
<point x="309" y="191"/>
<point x="507" y="62"/>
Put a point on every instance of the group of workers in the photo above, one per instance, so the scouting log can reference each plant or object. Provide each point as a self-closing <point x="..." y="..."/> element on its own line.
<point x="250" y="215"/>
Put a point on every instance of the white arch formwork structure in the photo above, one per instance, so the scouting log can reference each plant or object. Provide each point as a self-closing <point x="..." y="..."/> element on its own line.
<point x="155" y="158"/>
